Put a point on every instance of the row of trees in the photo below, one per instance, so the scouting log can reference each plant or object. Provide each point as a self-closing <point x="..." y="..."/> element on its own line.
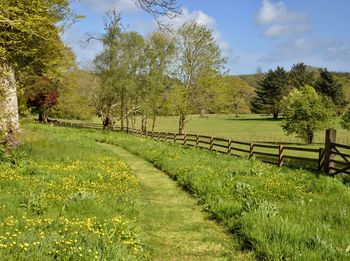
<point x="163" y="73"/>
<point x="33" y="54"/>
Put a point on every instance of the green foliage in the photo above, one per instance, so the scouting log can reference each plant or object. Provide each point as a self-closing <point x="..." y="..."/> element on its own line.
<point x="41" y="95"/>
<point x="198" y="59"/>
<point x="31" y="26"/>
<point x="77" y="90"/>
<point x="306" y="112"/>
<point x="345" y="120"/>
<point x="233" y="95"/>
<point x="277" y="213"/>
<point x="327" y="86"/>
<point x="300" y="76"/>
<point x="272" y="88"/>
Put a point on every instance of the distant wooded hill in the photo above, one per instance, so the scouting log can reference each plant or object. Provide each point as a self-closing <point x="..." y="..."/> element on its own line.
<point x="342" y="77"/>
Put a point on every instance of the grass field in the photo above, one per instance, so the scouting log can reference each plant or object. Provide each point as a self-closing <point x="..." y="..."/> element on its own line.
<point x="280" y="214"/>
<point x="250" y="127"/>
<point x="66" y="197"/>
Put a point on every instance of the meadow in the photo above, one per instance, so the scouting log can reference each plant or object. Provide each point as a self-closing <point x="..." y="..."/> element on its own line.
<point x="64" y="198"/>
<point x="247" y="127"/>
<point x="279" y="214"/>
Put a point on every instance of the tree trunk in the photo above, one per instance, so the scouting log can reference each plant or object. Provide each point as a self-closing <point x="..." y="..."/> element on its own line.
<point x="127" y="122"/>
<point x="153" y="121"/>
<point x="144" y="123"/>
<point x="310" y="137"/>
<point x="132" y="119"/>
<point x="42" y="116"/>
<point x="236" y="109"/>
<point x="182" y="120"/>
<point x="108" y="121"/>
<point x="9" y="118"/>
<point x="275" y="115"/>
<point x="122" y="110"/>
<point x="202" y="113"/>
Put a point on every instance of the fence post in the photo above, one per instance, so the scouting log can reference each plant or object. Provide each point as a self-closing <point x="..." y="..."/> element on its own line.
<point x="229" y="147"/>
<point x="211" y="143"/>
<point x="331" y="137"/>
<point x="197" y="140"/>
<point x="251" y="149"/>
<point x="280" y="155"/>
<point x="185" y="139"/>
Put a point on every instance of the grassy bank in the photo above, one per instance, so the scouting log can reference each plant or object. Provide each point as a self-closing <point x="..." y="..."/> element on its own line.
<point x="64" y="198"/>
<point x="279" y="213"/>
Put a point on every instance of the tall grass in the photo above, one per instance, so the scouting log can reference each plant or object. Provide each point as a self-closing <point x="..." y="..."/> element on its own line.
<point x="281" y="214"/>
<point x="64" y="198"/>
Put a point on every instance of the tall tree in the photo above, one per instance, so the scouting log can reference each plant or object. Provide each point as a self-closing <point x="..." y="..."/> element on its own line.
<point x="300" y="76"/>
<point x="119" y="67"/>
<point x="197" y="54"/>
<point x="29" y="42"/>
<point x="159" y="53"/>
<point x="326" y="85"/>
<point x="272" y="88"/>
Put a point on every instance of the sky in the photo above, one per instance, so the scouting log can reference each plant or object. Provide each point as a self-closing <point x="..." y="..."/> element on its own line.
<point x="252" y="34"/>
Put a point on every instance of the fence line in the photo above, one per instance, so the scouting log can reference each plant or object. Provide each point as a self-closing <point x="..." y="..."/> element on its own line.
<point x="278" y="154"/>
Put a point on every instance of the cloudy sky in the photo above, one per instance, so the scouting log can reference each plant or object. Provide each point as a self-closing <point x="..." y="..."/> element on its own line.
<point x="251" y="33"/>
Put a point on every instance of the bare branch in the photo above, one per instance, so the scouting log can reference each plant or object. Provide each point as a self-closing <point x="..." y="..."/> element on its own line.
<point x="160" y="8"/>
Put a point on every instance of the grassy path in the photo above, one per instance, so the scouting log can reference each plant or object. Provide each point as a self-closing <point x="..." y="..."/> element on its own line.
<point x="174" y="224"/>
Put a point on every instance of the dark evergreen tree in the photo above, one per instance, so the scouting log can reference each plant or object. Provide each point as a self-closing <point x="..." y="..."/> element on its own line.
<point x="300" y="76"/>
<point x="326" y="85"/>
<point x="272" y="88"/>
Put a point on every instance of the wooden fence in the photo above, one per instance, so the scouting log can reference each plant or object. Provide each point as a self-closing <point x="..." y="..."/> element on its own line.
<point x="333" y="159"/>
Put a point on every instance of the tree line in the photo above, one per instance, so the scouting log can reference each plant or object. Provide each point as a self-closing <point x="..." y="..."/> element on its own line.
<point x="168" y="72"/>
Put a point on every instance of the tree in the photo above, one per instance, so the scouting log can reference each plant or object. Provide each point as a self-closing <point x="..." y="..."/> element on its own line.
<point x="300" y="76"/>
<point x="306" y="112"/>
<point x="42" y="95"/>
<point x="120" y="67"/>
<point x="197" y="54"/>
<point x="29" y="42"/>
<point x="158" y="56"/>
<point x="272" y="88"/>
<point x="77" y="89"/>
<point x="231" y="95"/>
<point x="326" y="85"/>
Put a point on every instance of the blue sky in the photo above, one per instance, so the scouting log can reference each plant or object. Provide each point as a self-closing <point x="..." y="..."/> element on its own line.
<point x="251" y="33"/>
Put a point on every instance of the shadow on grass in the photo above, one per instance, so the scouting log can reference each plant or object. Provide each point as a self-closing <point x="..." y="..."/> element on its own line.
<point x="253" y="119"/>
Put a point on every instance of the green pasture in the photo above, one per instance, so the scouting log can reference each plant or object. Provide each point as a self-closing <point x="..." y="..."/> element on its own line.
<point x="249" y="127"/>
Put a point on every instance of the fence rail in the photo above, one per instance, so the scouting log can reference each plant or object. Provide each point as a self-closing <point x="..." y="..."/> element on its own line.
<point x="333" y="159"/>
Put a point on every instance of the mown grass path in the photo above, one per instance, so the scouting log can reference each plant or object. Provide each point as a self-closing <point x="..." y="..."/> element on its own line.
<point x="174" y="225"/>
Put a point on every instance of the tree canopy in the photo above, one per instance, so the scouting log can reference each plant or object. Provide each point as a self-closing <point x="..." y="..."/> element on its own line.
<point x="306" y="112"/>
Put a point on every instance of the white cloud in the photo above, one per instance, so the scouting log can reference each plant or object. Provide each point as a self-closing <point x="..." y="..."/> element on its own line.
<point x="280" y="21"/>
<point x="126" y="6"/>
<point x="202" y="18"/>
<point x="307" y="48"/>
